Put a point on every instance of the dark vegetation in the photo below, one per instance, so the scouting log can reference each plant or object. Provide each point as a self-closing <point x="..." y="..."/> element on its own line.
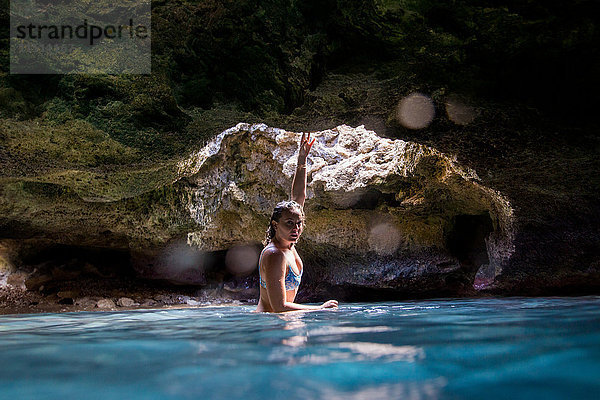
<point x="265" y="57"/>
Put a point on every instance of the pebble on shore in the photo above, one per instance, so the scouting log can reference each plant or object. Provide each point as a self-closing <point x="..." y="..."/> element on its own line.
<point x="125" y="302"/>
<point x="105" y="303"/>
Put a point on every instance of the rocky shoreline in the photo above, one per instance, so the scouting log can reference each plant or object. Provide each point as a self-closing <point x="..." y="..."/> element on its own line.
<point x="116" y="295"/>
<point x="18" y="301"/>
<point x="71" y="280"/>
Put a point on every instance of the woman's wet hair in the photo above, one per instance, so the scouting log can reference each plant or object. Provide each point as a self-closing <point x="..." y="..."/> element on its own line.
<point x="290" y="205"/>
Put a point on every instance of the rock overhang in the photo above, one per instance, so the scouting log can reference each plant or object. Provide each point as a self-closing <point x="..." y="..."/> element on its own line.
<point x="382" y="213"/>
<point x="384" y="203"/>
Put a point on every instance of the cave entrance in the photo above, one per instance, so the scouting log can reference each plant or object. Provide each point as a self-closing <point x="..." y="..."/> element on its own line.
<point x="466" y="239"/>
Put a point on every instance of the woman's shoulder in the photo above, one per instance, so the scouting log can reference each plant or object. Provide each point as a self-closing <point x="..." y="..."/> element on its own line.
<point x="273" y="256"/>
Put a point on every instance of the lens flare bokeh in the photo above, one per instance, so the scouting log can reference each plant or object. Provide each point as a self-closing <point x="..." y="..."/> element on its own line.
<point x="241" y="260"/>
<point x="415" y="111"/>
<point x="384" y="239"/>
<point x="459" y="112"/>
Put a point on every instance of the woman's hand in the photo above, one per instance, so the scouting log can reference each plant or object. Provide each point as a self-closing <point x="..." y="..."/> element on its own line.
<point x="330" y="304"/>
<point x="305" y="146"/>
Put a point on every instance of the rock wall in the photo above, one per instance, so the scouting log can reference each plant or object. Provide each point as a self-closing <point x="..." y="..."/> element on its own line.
<point x="385" y="218"/>
<point x="380" y="212"/>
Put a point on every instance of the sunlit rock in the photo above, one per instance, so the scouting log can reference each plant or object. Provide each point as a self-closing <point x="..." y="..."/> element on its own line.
<point x="485" y="277"/>
<point x="8" y="251"/>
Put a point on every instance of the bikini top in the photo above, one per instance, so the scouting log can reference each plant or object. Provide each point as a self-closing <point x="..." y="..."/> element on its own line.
<point x="292" y="281"/>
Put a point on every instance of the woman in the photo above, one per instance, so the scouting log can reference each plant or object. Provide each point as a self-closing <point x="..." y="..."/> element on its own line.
<point x="279" y="266"/>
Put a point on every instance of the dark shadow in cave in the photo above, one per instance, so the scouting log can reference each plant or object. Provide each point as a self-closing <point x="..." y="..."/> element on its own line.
<point x="94" y="260"/>
<point x="373" y="198"/>
<point x="466" y="239"/>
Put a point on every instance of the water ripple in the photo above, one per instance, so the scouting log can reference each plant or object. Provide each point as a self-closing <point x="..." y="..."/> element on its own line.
<point x="446" y="348"/>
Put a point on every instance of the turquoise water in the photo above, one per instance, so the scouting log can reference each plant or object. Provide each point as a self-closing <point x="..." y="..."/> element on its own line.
<point x="513" y="348"/>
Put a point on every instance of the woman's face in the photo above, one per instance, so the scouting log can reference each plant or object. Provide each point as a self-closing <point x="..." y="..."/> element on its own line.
<point x="290" y="226"/>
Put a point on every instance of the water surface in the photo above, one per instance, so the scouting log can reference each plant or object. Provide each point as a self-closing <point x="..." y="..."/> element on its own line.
<point x="512" y="348"/>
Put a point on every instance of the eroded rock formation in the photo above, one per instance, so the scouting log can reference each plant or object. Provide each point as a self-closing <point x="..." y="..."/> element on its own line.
<point x="381" y="213"/>
<point x="386" y="218"/>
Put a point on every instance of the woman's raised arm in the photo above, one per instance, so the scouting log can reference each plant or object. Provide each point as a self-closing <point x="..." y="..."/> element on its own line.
<point x="299" y="182"/>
